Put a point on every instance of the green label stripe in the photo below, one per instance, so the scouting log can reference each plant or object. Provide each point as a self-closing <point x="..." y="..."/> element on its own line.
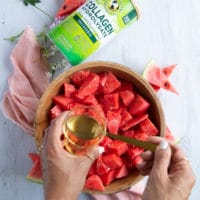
<point x="85" y="28"/>
<point x="131" y="15"/>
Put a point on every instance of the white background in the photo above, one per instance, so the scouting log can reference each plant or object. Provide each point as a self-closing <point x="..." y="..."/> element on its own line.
<point x="168" y="31"/>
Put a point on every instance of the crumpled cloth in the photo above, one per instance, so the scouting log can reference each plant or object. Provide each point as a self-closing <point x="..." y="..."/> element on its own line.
<point x="27" y="82"/>
<point x="26" y="86"/>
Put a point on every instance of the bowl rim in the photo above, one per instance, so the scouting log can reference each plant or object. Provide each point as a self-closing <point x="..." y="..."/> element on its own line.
<point x="87" y="66"/>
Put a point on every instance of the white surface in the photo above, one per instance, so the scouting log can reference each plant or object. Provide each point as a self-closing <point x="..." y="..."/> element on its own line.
<point x="168" y="31"/>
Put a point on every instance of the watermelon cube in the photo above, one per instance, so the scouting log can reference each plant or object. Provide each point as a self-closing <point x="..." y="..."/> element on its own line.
<point x="90" y="100"/>
<point x="148" y="127"/>
<point x="108" y="177"/>
<point x="126" y="116"/>
<point x="113" y="121"/>
<point x="79" y="77"/>
<point x="113" y="161"/>
<point x="129" y="133"/>
<point x="65" y="103"/>
<point x="111" y="101"/>
<point x="135" y="121"/>
<point x="132" y="152"/>
<point x="121" y="172"/>
<point x="101" y="168"/>
<point x="127" y="97"/>
<point x="89" y="86"/>
<point x="118" y="147"/>
<point x="69" y="89"/>
<point x="105" y="142"/>
<point x="94" y="182"/>
<point x="139" y="105"/>
<point x="126" y="85"/>
<point x="111" y="83"/>
<point x="55" y="111"/>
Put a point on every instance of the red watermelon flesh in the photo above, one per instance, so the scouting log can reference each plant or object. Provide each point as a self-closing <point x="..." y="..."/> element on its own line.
<point x="127" y="97"/>
<point x="113" y="121"/>
<point x="158" y="77"/>
<point x="118" y="147"/>
<point x="121" y="172"/>
<point x="139" y="105"/>
<point x="35" y="173"/>
<point x="108" y="177"/>
<point x="69" y="89"/>
<point x="55" y="111"/>
<point x="135" y="121"/>
<point x="68" y="7"/>
<point x="169" y="134"/>
<point x="168" y="86"/>
<point x="65" y="103"/>
<point x="168" y="70"/>
<point x="148" y="127"/>
<point x="101" y="168"/>
<point x="113" y="161"/>
<point x="94" y="182"/>
<point x="111" y="83"/>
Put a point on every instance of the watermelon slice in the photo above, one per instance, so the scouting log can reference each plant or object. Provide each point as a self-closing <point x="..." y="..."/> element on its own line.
<point x="139" y="105"/>
<point x="113" y="161"/>
<point x="101" y="168"/>
<point x="108" y="177"/>
<point x="94" y="182"/>
<point x="121" y="172"/>
<point x="158" y="77"/>
<point x="113" y="121"/>
<point x="35" y="174"/>
<point x="69" y="89"/>
<point x="68" y="7"/>
<point x="55" y="111"/>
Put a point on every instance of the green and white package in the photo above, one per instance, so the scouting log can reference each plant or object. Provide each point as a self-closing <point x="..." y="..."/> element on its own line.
<point x="91" y="26"/>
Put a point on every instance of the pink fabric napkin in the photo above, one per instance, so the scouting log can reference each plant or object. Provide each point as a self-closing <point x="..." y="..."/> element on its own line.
<point x="27" y="82"/>
<point x="26" y="85"/>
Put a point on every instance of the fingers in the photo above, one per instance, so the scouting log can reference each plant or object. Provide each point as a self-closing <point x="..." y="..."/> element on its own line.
<point x="162" y="159"/>
<point x="54" y="132"/>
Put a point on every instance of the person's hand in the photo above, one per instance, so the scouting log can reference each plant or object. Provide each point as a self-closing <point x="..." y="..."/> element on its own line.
<point x="64" y="174"/>
<point x="170" y="174"/>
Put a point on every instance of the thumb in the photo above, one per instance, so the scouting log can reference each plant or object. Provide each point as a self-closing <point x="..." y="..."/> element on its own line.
<point x="162" y="158"/>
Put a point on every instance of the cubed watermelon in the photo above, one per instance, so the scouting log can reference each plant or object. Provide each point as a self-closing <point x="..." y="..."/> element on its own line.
<point x="111" y="83"/>
<point x="121" y="172"/>
<point x="118" y="147"/>
<point x="101" y="168"/>
<point x="105" y="142"/>
<point x="139" y="105"/>
<point x="132" y="152"/>
<point x="90" y="100"/>
<point x="113" y="121"/>
<point x="65" y="103"/>
<point x="148" y="127"/>
<point x="69" y="89"/>
<point x="112" y="160"/>
<point x="125" y="117"/>
<point x="108" y="177"/>
<point x="55" y="111"/>
<point x="135" y="121"/>
<point x="127" y="97"/>
<point x="94" y="182"/>
<point x="79" y="77"/>
<point x="129" y="133"/>
<point x="89" y="86"/>
<point x="111" y="101"/>
<point x="126" y="85"/>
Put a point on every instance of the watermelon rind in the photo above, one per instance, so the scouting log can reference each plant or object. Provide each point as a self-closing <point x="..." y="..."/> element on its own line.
<point x="148" y="67"/>
<point x="35" y="180"/>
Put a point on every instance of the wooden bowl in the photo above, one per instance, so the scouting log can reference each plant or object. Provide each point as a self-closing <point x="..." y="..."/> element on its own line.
<point x="121" y="71"/>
